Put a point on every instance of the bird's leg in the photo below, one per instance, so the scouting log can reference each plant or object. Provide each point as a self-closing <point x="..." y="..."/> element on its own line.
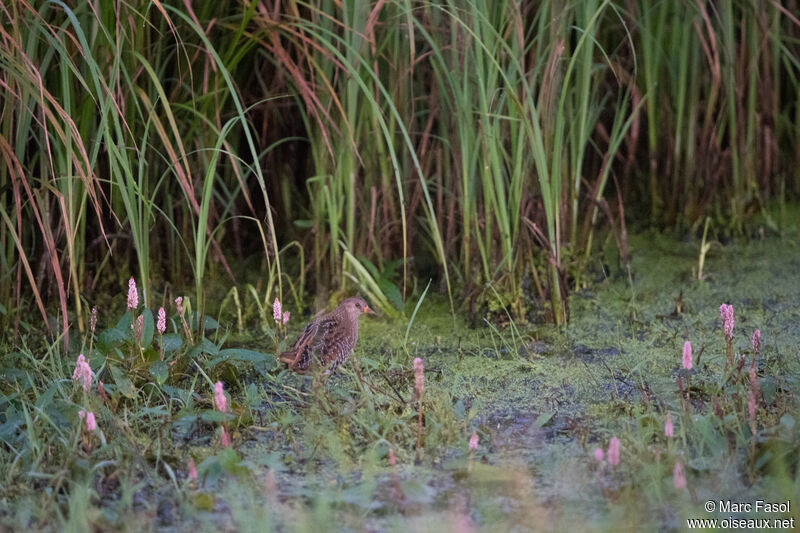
<point x="358" y="373"/>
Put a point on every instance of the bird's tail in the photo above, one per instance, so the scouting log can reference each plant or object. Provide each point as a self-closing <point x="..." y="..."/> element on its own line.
<point x="294" y="360"/>
<point x="290" y="358"/>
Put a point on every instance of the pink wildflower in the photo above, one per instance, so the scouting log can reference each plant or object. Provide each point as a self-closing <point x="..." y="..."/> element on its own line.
<point x="613" y="451"/>
<point x="726" y="313"/>
<point x="392" y="460"/>
<point x="285" y="317"/>
<point x="219" y="397"/>
<point x="473" y="441"/>
<point x="161" y="324"/>
<point x="687" y="355"/>
<point x="179" y="305"/>
<point x="133" y="296"/>
<point x="419" y="377"/>
<point x="276" y="311"/>
<point x="598" y="455"/>
<point x="91" y="422"/>
<point x="83" y="373"/>
<point x="139" y="326"/>
<point x="93" y="319"/>
<point x="678" y="476"/>
<point x="101" y="390"/>
<point x="669" y="430"/>
<point x="226" y="439"/>
<point x="192" y="470"/>
<point x="757" y="341"/>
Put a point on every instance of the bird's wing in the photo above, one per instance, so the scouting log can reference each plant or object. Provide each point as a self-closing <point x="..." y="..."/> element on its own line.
<point x="311" y="344"/>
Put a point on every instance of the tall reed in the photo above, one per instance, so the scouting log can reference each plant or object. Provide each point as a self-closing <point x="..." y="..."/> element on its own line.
<point x="483" y="142"/>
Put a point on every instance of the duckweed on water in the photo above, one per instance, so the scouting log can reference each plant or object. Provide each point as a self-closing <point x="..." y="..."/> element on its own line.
<point x="540" y="400"/>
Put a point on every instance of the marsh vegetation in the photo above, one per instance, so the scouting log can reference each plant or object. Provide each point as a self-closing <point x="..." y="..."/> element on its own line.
<point x="547" y="202"/>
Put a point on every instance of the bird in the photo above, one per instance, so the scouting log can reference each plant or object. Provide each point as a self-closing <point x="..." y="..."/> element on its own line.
<point x="328" y="340"/>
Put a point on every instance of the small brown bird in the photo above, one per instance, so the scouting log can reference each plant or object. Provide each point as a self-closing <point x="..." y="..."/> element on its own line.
<point x="328" y="340"/>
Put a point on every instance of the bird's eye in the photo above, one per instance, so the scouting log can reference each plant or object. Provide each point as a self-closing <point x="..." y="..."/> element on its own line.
<point x="358" y="305"/>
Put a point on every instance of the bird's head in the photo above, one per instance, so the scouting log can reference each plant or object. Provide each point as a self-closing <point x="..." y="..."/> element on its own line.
<point x="355" y="307"/>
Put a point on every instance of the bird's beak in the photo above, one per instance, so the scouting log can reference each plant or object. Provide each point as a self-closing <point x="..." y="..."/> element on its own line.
<point x="369" y="311"/>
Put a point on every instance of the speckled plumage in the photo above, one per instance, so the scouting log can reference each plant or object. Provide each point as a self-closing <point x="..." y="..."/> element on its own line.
<point x="328" y="340"/>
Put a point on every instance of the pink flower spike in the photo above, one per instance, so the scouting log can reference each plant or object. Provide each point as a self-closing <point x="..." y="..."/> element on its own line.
<point x="226" y="439"/>
<point x="139" y="326"/>
<point x="276" y="311"/>
<point x="687" y="355"/>
<point x="161" y="324"/>
<point x="669" y="430"/>
<point x="726" y="313"/>
<point x="219" y="398"/>
<point x="93" y="319"/>
<point x="757" y="342"/>
<point x="285" y="317"/>
<point x="91" y="423"/>
<point x="179" y="305"/>
<point x="192" y="470"/>
<point x="473" y="441"/>
<point x="613" y="451"/>
<point x="419" y="376"/>
<point x="598" y="455"/>
<point x="83" y="373"/>
<point x="678" y="476"/>
<point x="133" y="295"/>
<point x="392" y="460"/>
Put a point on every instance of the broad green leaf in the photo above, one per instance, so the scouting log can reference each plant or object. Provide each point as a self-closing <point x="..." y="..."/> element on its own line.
<point x="111" y="338"/>
<point x="205" y="346"/>
<point x="124" y="384"/>
<point x="212" y="416"/>
<point x="160" y="371"/>
<point x="148" y="328"/>
<point x="171" y="342"/>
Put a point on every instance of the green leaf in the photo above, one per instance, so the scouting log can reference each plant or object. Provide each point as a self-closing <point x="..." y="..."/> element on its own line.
<point x="243" y="354"/>
<point x="148" y="328"/>
<point x="205" y="346"/>
<point x="125" y="322"/>
<point x="251" y="395"/>
<point x="209" y="324"/>
<point x="159" y="410"/>
<point x="151" y="355"/>
<point x="46" y="399"/>
<point x="262" y="362"/>
<point x="304" y="223"/>
<point x="124" y="384"/>
<point x="160" y="371"/>
<point x="177" y="392"/>
<point x="459" y="410"/>
<point x="231" y="462"/>
<point x="392" y="292"/>
<point x="543" y="419"/>
<point x="213" y="416"/>
<point x="171" y="342"/>
<point x="110" y="339"/>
